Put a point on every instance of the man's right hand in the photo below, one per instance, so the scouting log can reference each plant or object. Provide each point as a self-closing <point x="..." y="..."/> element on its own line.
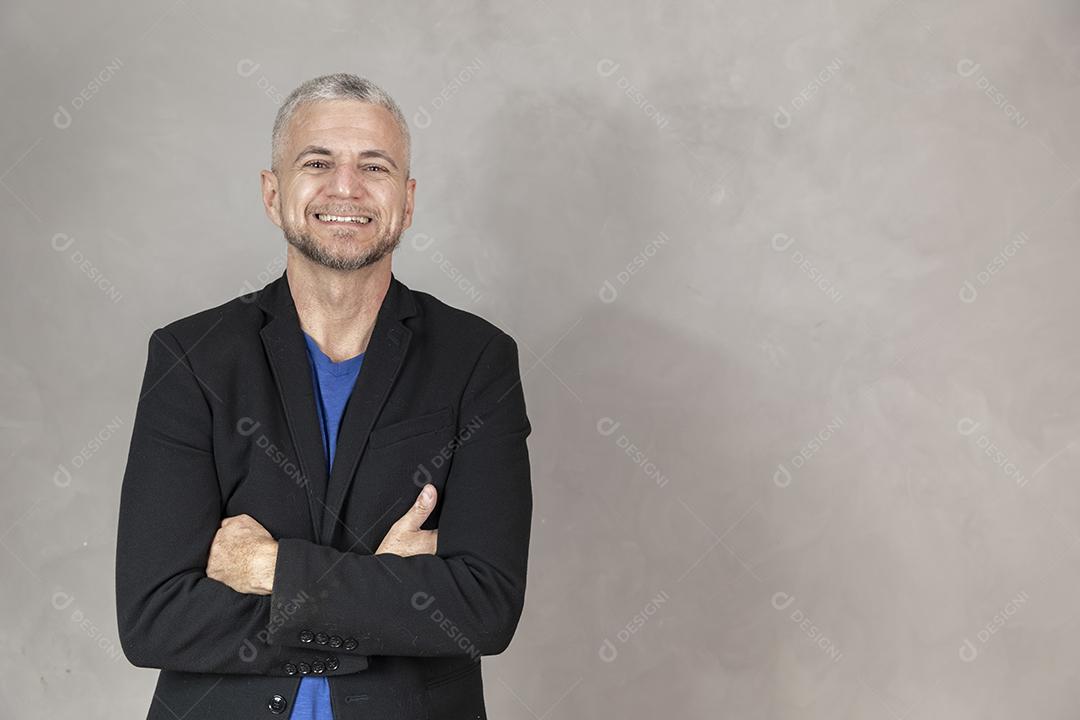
<point x="405" y="537"/>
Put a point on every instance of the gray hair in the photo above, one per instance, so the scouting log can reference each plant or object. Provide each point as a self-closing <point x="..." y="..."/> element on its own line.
<point x="339" y="86"/>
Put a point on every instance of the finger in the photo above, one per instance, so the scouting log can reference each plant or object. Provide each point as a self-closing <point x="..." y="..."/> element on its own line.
<point x="251" y="522"/>
<point x="418" y="513"/>
<point x="421" y="542"/>
<point x="426" y="499"/>
<point x="425" y="544"/>
<point x="244" y="523"/>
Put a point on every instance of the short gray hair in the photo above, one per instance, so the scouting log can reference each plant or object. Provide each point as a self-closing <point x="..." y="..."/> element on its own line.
<point x="339" y="86"/>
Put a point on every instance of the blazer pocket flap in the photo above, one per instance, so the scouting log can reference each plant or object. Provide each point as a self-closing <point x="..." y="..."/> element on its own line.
<point x="411" y="427"/>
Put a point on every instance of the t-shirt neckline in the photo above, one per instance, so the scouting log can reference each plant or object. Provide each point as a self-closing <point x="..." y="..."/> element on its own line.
<point x="323" y="361"/>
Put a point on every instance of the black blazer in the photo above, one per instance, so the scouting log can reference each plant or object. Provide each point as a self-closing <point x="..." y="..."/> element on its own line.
<point x="226" y="424"/>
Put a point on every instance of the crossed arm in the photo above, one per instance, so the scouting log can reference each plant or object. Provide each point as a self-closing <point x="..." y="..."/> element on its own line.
<point x="244" y="553"/>
<point x="191" y="588"/>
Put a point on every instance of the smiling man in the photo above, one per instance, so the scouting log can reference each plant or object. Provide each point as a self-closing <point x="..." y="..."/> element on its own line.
<point x="327" y="502"/>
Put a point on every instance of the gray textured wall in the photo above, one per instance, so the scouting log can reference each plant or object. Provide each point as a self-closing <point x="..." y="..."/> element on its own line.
<point x="794" y="285"/>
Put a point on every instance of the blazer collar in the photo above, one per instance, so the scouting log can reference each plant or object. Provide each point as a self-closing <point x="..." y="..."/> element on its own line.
<point x="287" y="352"/>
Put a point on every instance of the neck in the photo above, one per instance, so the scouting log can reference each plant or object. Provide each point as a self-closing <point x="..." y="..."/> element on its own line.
<point x="337" y="308"/>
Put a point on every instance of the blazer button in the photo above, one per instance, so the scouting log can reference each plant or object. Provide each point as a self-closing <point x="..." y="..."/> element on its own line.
<point x="335" y="641"/>
<point x="277" y="704"/>
<point x="290" y="669"/>
<point x="331" y="663"/>
<point x="350" y="644"/>
<point x="318" y="667"/>
<point x="304" y="668"/>
<point x="321" y="638"/>
<point x="306" y="636"/>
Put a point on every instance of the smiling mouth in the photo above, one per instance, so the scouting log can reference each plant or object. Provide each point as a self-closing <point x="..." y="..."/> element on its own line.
<point x="343" y="219"/>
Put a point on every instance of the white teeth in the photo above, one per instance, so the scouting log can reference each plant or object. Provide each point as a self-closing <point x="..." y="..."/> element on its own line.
<point x="361" y="219"/>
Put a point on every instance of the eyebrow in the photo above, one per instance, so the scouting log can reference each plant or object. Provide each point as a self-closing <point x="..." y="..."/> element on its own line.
<point x="320" y="150"/>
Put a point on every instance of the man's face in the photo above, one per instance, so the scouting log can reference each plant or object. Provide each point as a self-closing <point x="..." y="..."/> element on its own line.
<point x="342" y="161"/>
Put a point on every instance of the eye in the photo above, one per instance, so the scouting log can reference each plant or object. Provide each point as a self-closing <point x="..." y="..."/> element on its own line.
<point x="377" y="167"/>
<point x="312" y="162"/>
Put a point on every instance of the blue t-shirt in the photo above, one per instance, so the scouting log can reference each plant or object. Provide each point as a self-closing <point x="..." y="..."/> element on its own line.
<point x="333" y="384"/>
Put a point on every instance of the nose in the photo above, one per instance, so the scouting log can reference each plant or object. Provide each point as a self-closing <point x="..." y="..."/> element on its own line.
<point x="347" y="181"/>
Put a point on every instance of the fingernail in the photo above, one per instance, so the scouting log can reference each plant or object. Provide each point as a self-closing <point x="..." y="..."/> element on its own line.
<point x="425" y="494"/>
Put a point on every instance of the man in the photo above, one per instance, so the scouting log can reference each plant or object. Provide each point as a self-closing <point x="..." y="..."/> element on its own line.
<point x="327" y="502"/>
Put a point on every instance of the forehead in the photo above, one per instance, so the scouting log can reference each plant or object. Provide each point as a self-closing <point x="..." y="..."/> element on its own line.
<point x="343" y="125"/>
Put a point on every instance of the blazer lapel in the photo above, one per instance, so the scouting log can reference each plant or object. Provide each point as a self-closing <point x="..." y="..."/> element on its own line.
<point x="287" y="350"/>
<point x="382" y="362"/>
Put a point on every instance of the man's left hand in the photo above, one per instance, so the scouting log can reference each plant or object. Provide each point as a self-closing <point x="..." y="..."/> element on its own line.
<point x="243" y="556"/>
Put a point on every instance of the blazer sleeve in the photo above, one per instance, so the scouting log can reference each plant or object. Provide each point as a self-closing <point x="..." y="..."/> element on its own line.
<point x="468" y="597"/>
<point x="170" y="615"/>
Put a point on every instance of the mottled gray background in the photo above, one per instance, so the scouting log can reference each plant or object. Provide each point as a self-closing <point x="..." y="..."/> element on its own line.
<point x="794" y="286"/>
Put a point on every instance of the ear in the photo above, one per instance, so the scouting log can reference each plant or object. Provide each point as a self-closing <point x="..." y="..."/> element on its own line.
<point x="270" y="196"/>
<point x="410" y="198"/>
